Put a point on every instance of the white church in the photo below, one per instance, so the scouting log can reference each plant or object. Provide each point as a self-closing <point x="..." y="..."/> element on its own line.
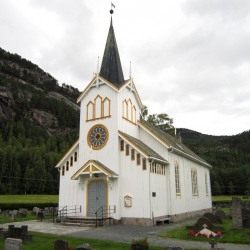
<point x="124" y="165"/>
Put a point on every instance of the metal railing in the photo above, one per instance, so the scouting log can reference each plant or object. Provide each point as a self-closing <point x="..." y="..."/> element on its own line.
<point x="104" y="213"/>
<point x="69" y="211"/>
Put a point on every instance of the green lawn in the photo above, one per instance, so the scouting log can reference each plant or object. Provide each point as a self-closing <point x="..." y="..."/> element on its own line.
<point x="46" y="242"/>
<point x="29" y="198"/>
<point x="229" y="197"/>
<point x="229" y="235"/>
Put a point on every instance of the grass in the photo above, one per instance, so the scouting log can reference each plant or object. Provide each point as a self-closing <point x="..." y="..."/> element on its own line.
<point x="229" y="197"/>
<point x="229" y="235"/>
<point x="29" y="198"/>
<point x="43" y="241"/>
<point x="46" y="242"/>
<point x="5" y="219"/>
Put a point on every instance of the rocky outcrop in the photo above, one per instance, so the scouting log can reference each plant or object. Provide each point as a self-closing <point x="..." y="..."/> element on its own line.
<point x="27" y="92"/>
<point x="6" y="104"/>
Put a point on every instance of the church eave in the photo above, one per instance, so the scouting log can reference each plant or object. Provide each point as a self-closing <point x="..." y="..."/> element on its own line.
<point x="142" y="148"/>
<point x="86" y="89"/>
<point x="69" y="151"/>
<point x="177" y="151"/>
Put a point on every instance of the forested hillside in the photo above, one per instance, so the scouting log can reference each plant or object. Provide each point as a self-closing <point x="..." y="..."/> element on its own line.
<point x="38" y="122"/>
<point x="229" y="157"/>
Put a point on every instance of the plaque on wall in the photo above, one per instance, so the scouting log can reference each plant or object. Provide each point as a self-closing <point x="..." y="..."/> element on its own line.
<point x="127" y="201"/>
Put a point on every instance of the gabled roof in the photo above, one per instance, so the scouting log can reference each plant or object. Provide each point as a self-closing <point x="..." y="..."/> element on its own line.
<point x="171" y="142"/>
<point x="149" y="152"/>
<point x="93" y="167"/>
<point x="111" y="68"/>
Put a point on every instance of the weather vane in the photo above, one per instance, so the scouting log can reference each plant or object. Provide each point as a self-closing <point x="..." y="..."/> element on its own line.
<point x="112" y="6"/>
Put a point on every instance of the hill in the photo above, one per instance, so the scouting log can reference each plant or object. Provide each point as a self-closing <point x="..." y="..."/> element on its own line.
<point x="229" y="157"/>
<point x="38" y="121"/>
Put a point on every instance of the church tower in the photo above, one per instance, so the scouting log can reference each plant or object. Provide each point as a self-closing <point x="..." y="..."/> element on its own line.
<point x="123" y="164"/>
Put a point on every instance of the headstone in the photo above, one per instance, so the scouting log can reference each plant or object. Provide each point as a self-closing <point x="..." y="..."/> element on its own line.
<point x="13" y="244"/>
<point x="12" y="215"/>
<point x="213" y="218"/>
<point x="84" y="246"/>
<point x="236" y="213"/>
<point x="200" y="222"/>
<point x="61" y="245"/>
<point x="221" y="214"/>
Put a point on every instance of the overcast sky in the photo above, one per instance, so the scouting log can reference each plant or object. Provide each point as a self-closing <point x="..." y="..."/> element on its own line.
<point x="190" y="58"/>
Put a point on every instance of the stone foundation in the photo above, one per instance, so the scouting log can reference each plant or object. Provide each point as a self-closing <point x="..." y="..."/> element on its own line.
<point x="189" y="215"/>
<point x="174" y="218"/>
<point x="137" y="221"/>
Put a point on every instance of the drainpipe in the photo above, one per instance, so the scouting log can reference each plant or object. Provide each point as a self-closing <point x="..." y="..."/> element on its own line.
<point x="151" y="161"/>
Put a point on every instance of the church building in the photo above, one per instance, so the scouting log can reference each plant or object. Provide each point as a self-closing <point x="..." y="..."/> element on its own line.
<point x="123" y="165"/>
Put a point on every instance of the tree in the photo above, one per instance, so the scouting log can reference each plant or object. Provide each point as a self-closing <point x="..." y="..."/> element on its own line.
<point x="163" y="121"/>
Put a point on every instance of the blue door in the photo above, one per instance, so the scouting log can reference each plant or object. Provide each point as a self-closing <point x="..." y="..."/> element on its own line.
<point x="97" y="191"/>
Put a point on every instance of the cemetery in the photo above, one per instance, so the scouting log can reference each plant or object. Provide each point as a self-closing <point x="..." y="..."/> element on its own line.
<point x="231" y="224"/>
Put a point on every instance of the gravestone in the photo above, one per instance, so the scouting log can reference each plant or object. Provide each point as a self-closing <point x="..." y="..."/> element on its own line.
<point x="13" y="244"/>
<point x="213" y="218"/>
<point x="237" y="213"/>
<point x="61" y="245"/>
<point x="221" y="214"/>
<point x="12" y="215"/>
<point x="204" y="221"/>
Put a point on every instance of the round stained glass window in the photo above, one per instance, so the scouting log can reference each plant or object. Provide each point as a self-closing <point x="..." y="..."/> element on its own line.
<point x="97" y="136"/>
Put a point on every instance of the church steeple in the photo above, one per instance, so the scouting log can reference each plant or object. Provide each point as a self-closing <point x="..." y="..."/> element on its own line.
<point x="111" y="68"/>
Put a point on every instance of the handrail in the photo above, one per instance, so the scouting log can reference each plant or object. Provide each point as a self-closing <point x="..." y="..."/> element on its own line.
<point x="103" y="213"/>
<point x="69" y="211"/>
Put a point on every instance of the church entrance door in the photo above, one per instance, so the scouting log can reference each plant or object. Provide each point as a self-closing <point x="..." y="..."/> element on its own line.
<point x="97" y="193"/>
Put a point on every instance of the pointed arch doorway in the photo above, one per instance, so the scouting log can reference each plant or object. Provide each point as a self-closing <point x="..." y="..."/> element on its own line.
<point x="97" y="196"/>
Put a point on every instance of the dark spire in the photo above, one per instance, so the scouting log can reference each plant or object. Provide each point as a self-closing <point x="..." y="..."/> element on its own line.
<point x="111" y="68"/>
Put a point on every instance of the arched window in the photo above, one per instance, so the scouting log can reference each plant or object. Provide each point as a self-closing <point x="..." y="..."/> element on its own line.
<point x="177" y="178"/>
<point x="129" y="111"/>
<point x="194" y="181"/>
<point x="98" y="107"/>
<point x="90" y="111"/>
<point x="106" y="107"/>
<point x="206" y="184"/>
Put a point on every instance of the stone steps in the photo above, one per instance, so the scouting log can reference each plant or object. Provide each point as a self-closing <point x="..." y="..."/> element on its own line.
<point x="84" y="222"/>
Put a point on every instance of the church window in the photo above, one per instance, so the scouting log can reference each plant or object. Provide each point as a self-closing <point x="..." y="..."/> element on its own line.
<point x="144" y="164"/>
<point x="127" y="149"/>
<point x="98" y="109"/>
<point x="67" y="166"/>
<point x="106" y="107"/>
<point x="206" y="184"/>
<point x="71" y="161"/>
<point x="133" y="114"/>
<point x="63" y="170"/>
<point x="122" y="145"/>
<point x="132" y="154"/>
<point x="129" y="111"/>
<point x="138" y="159"/>
<point x="177" y="178"/>
<point x="90" y="111"/>
<point x="75" y="156"/>
<point x="194" y="182"/>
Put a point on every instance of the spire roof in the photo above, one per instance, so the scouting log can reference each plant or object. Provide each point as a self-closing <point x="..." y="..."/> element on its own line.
<point x="111" y="68"/>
